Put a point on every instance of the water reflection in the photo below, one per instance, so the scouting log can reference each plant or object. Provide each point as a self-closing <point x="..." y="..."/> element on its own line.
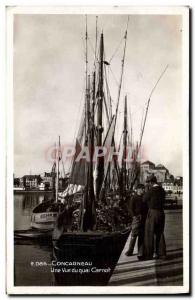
<point x="23" y="206"/>
<point x="24" y="254"/>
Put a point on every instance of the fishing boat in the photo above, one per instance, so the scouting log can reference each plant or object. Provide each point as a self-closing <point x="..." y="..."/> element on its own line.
<point x="93" y="247"/>
<point x="45" y="214"/>
<point x="88" y="241"/>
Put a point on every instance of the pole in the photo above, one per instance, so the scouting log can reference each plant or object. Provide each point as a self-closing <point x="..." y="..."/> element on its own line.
<point x="100" y="161"/>
<point x="96" y="33"/>
<point x="57" y="165"/>
<point x="145" y="118"/>
<point x="149" y="99"/>
<point x="86" y="79"/>
<point x="124" y="170"/>
<point x="122" y="71"/>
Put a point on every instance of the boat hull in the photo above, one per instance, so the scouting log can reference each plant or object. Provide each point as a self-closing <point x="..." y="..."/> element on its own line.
<point x="87" y="259"/>
<point x="42" y="217"/>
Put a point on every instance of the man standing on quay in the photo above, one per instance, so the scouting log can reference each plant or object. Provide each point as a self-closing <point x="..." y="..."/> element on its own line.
<point x="154" y="243"/>
<point x="138" y="211"/>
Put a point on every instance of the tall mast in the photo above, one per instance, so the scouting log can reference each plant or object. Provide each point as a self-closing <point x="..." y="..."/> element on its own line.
<point x="88" y="214"/>
<point x="124" y="171"/>
<point x="119" y="91"/>
<point x="134" y="173"/>
<point x="89" y="143"/>
<point x="96" y="33"/>
<point x="122" y="71"/>
<point x="86" y="79"/>
<point x="53" y="172"/>
<point x="92" y="121"/>
<point x="91" y="196"/>
<point x="147" y="107"/>
<point x="100" y="94"/>
<point x="88" y="106"/>
<point x="57" y="165"/>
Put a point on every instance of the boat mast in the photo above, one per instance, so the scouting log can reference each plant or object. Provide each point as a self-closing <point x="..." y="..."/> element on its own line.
<point x="57" y="171"/>
<point x="88" y="215"/>
<point x="124" y="169"/>
<point x="96" y="34"/>
<point x="134" y="171"/>
<point x="53" y="174"/>
<point x="122" y="71"/>
<point x="86" y="80"/>
<point x="88" y="211"/>
<point x="147" y="107"/>
<point x="119" y="92"/>
<point x="100" y="95"/>
<point x="92" y="123"/>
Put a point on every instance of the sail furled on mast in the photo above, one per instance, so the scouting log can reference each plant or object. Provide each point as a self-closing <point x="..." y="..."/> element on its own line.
<point x="107" y="162"/>
<point x="108" y="143"/>
<point x="79" y="167"/>
<point x="100" y="99"/>
<point x="124" y="156"/>
<point x="88" y="214"/>
<point x="58" y="158"/>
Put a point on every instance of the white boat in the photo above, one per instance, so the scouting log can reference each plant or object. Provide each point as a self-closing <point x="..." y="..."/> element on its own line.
<point x="45" y="214"/>
<point x="19" y="188"/>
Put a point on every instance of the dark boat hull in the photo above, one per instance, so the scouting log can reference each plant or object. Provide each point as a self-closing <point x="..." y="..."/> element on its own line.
<point x="87" y="259"/>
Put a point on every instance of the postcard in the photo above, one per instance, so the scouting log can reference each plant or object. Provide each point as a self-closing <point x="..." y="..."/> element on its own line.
<point x="98" y="150"/>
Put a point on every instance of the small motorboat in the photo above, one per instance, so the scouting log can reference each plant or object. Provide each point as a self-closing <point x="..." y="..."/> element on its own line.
<point x="45" y="215"/>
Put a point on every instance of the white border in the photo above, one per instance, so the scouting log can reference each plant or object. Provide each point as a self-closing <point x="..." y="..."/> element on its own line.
<point x="185" y="133"/>
<point x="9" y="96"/>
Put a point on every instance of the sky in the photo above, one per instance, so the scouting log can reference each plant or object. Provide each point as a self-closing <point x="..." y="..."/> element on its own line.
<point x="49" y="75"/>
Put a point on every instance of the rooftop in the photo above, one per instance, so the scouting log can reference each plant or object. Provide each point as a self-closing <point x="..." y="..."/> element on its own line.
<point x="31" y="176"/>
<point x="160" y="166"/>
<point x="147" y="162"/>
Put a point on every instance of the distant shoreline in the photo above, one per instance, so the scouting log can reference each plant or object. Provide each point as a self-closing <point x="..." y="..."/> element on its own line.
<point x="32" y="191"/>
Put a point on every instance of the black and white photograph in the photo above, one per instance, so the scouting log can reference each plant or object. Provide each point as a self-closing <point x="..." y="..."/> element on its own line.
<point x="98" y="163"/>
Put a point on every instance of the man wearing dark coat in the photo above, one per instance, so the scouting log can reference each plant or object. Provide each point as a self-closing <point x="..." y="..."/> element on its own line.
<point x="138" y="211"/>
<point x="154" y="243"/>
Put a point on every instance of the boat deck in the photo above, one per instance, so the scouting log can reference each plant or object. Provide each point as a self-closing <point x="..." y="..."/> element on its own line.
<point x="131" y="272"/>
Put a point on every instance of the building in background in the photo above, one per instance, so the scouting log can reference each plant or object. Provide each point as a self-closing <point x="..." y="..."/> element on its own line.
<point x="30" y="181"/>
<point x="43" y="182"/>
<point x="148" y="168"/>
<point x="48" y="181"/>
<point x="170" y="183"/>
<point x="16" y="182"/>
<point x="161" y="173"/>
<point x="168" y="186"/>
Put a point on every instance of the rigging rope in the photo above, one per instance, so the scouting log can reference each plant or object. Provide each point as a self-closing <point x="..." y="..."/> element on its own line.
<point x="116" y="50"/>
<point x="108" y="94"/>
<point x="122" y="70"/>
<point x="117" y="83"/>
<point x="148" y="106"/>
<point x="91" y="45"/>
<point x="96" y="36"/>
<point x="133" y="173"/>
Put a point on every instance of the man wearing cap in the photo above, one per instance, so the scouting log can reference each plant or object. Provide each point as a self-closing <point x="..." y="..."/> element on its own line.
<point x="138" y="211"/>
<point x="154" y="243"/>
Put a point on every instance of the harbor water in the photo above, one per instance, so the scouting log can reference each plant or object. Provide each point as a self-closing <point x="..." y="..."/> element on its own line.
<point x="32" y="261"/>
